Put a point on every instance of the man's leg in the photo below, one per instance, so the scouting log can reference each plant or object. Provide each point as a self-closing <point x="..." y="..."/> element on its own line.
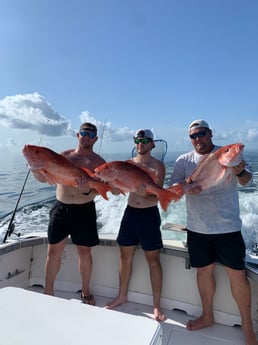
<point x="153" y="259"/>
<point x="85" y="267"/>
<point x="241" y="292"/>
<point x="125" y="272"/>
<point x="207" y="286"/>
<point x="52" y="265"/>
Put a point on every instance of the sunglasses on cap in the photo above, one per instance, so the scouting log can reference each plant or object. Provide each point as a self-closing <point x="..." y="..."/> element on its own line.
<point x="143" y="140"/>
<point x="198" y="135"/>
<point x="89" y="134"/>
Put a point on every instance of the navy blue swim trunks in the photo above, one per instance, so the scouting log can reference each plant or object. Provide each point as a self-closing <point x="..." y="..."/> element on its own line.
<point x="141" y="226"/>
<point x="78" y="221"/>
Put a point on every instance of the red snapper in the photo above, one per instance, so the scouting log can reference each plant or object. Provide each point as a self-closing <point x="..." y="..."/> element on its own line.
<point x="214" y="168"/>
<point x="126" y="177"/>
<point x="59" y="170"/>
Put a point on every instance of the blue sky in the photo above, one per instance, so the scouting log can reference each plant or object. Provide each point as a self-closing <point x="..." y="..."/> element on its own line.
<point x="127" y="65"/>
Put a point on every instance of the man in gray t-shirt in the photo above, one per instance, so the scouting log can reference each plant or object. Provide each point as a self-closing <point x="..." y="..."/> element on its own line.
<point x="214" y="230"/>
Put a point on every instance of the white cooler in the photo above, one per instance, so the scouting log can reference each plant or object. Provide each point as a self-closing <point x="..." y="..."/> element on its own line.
<point x="30" y="318"/>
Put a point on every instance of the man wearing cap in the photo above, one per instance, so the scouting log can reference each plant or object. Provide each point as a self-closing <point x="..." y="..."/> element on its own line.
<point x="74" y="214"/>
<point x="214" y="230"/>
<point x="141" y="225"/>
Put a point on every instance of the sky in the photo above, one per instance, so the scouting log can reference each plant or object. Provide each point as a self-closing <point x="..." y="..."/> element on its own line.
<point x="125" y="65"/>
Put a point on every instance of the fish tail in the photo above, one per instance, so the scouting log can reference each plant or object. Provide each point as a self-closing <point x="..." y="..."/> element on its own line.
<point x="165" y="197"/>
<point x="102" y="188"/>
<point x="178" y="190"/>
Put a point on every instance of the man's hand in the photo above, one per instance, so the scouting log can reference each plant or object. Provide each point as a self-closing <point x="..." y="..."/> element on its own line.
<point x="238" y="168"/>
<point x="195" y="189"/>
<point x="192" y="187"/>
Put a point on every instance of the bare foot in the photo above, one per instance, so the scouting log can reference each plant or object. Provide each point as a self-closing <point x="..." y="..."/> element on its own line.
<point x="199" y="323"/>
<point x="49" y="292"/>
<point x="252" y="342"/>
<point x="158" y="315"/>
<point x="117" y="301"/>
<point x="250" y="336"/>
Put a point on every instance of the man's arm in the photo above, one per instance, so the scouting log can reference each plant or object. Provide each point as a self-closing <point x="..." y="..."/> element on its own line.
<point x="178" y="173"/>
<point x="243" y="174"/>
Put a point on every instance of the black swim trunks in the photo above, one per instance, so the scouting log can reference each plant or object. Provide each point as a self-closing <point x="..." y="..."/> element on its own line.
<point x="228" y="249"/>
<point x="78" y="221"/>
<point x="141" y="226"/>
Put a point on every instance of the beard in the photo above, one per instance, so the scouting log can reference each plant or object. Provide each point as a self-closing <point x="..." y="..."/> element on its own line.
<point x="142" y="152"/>
<point x="86" y="145"/>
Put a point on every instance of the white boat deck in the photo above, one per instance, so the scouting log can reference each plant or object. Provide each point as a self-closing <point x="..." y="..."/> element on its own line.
<point x="174" y="330"/>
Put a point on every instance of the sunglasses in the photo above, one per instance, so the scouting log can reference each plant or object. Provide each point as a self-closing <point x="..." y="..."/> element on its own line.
<point x="91" y="135"/>
<point x="143" y="140"/>
<point x="198" y="135"/>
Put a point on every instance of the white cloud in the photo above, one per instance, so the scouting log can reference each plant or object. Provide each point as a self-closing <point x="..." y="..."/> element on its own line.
<point x="32" y="111"/>
<point x="246" y="136"/>
<point x="28" y="115"/>
<point x="252" y="134"/>
<point x="106" y="129"/>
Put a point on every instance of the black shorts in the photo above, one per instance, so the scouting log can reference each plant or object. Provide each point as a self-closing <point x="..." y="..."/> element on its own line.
<point x="78" y="221"/>
<point x="227" y="249"/>
<point x="141" y="226"/>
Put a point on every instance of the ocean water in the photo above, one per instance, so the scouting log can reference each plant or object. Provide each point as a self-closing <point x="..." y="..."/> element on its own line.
<point x="32" y="210"/>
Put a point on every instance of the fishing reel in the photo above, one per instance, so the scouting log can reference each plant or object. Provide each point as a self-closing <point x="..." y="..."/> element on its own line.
<point x="10" y="231"/>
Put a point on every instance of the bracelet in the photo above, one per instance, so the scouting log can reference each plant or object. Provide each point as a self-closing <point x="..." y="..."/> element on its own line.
<point x="88" y="192"/>
<point x="243" y="172"/>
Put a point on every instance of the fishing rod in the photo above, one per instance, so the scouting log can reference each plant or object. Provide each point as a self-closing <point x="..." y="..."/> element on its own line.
<point x="11" y="226"/>
<point x="102" y="135"/>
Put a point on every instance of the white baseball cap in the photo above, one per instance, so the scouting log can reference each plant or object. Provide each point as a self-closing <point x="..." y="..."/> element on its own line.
<point x="198" y="124"/>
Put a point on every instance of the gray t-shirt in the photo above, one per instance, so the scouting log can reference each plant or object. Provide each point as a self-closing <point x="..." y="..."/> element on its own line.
<point x="214" y="210"/>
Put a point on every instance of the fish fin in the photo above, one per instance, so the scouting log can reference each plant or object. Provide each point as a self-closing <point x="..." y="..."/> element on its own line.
<point x="224" y="175"/>
<point x="49" y="178"/>
<point x="88" y="172"/>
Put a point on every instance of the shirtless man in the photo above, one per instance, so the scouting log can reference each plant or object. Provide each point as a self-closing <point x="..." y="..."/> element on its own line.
<point x="74" y="214"/>
<point x="141" y="225"/>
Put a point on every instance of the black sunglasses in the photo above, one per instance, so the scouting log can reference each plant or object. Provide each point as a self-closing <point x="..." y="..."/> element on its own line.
<point x="198" y="135"/>
<point x="88" y="134"/>
<point x="143" y="140"/>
